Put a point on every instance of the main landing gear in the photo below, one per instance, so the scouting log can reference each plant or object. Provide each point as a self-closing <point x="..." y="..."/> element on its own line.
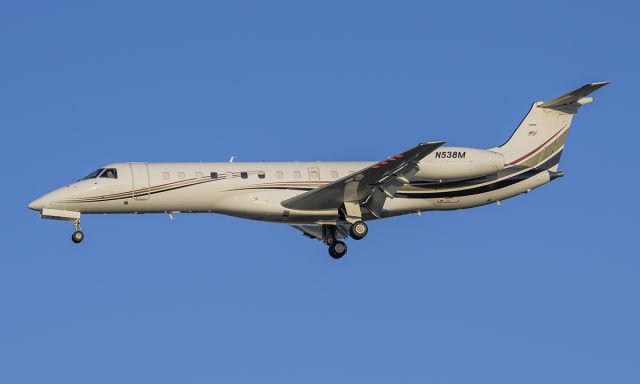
<point x="358" y="230"/>
<point x="77" y="235"/>
<point x="337" y="248"/>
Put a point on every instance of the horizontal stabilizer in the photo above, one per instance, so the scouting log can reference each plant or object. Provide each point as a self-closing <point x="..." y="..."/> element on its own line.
<point x="573" y="96"/>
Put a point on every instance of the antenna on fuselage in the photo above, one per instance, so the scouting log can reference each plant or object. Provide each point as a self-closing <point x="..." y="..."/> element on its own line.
<point x="231" y="159"/>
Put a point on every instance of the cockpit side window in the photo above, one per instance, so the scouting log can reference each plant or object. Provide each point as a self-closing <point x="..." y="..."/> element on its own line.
<point x="93" y="174"/>
<point x="110" y="173"/>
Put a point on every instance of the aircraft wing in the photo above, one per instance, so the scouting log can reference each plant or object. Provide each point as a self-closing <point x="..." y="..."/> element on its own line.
<point x="369" y="186"/>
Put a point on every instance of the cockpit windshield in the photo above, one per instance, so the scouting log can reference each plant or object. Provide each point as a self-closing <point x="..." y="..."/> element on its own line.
<point x="107" y="173"/>
<point x="93" y="174"/>
<point x="110" y="173"/>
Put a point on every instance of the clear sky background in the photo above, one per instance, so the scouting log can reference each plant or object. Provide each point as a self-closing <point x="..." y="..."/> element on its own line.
<point x="541" y="289"/>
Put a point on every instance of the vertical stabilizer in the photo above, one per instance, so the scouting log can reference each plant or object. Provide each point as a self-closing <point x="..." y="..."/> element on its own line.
<point x="539" y="139"/>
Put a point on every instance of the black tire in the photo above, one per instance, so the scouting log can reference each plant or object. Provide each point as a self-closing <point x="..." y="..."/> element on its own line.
<point x="337" y="249"/>
<point x="77" y="236"/>
<point x="358" y="230"/>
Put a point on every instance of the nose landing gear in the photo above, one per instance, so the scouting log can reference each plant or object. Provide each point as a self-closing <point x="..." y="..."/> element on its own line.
<point x="77" y="235"/>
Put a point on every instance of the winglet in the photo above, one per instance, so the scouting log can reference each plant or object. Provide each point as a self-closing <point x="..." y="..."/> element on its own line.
<point x="574" y="96"/>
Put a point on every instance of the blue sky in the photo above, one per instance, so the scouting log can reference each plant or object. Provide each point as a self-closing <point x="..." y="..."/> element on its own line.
<point x="541" y="289"/>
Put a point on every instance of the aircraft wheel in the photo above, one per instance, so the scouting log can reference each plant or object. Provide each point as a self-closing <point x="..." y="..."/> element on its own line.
<point x="77" y="236"/>
<point x="337" y="249"/>
<point x="358" y="230"/>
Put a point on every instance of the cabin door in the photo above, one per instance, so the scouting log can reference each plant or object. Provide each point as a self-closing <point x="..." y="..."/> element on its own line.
<point x="140" y="182"/>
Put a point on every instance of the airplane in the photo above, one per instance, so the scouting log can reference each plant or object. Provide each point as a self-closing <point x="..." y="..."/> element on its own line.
<point x="332" y="201"/>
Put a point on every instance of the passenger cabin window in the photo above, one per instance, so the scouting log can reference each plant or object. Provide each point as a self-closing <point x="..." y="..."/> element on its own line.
<point x="93" y="174"/>
<point x="296" y="174"/>
<point x="180" y="175"/>
<point x="279" y="175"/>
<point x="214" y="175"/>
<point x="198" y="174"/>
<point x="166" y="175"/>
<point x="110" y="173"/>
<point x="334" y="174"/>
<point x="244" y="175"/>
<point x="261" y="175"/>
<point x="313" y="174"/>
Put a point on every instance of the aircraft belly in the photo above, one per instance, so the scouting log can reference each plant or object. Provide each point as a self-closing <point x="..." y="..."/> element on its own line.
<point x="257" y="204"/>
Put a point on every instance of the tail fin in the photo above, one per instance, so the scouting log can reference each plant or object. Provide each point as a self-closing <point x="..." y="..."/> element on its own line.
<point x="539" y="139"/>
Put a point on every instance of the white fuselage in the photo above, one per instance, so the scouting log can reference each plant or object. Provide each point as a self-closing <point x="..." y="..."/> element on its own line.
<point x="255" y="190"/>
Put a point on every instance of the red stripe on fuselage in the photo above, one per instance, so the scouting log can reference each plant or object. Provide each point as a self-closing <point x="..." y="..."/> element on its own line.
<point x="535" y="150"/>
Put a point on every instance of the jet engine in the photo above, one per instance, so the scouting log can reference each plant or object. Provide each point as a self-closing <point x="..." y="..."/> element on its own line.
<point x="455" y="163"/>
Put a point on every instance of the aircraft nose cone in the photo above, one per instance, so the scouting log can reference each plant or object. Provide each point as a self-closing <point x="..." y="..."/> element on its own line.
<point x="37" y="204"/>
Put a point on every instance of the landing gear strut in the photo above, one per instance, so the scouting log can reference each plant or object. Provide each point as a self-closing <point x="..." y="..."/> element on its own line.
<point x="77" y="235"/>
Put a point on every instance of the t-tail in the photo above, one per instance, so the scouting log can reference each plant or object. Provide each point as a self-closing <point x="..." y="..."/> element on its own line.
<point x="539" y="139"/>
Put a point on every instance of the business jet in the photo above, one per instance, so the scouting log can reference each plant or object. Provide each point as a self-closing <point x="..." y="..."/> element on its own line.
<point x="332" y="201"/>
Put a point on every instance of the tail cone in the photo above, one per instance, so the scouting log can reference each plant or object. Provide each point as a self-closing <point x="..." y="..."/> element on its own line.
<point x="555" y="175"/>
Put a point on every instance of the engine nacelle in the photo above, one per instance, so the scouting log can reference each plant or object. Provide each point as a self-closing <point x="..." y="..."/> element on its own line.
<point x="453" y="163"/>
